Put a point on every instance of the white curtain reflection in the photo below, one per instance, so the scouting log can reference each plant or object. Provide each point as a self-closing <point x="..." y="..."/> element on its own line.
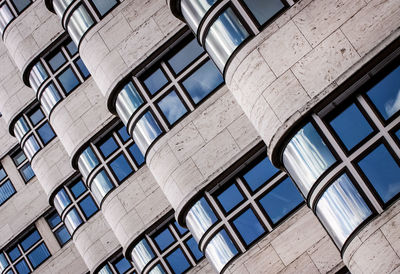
<point x="100" y="186"/>
<point x="5" y="17"/>
<point x="142" y="255"/>
<point x="157" y="270"/>
<point x="194" y="10"/>
<point x="20" y="128"/>
<point x="72" y="220"/>
<point x="49" y="98"/>
<point x="145" y="132"/>
<point x="341" y="209"/>
<point x="200" y="218"/>
<point x="87" y="162"/>
<point x="31" y="146"/>
<point x="128" y="101"/>
<point x="306" y="157"/>
<point x="79" y="22"/>
<point x="60" y="6"/>
<point x="3" y="262"/>
<point x="61" y="201"/>
<point x="220" y="250"/>
<point x="37" y="76"/>
<point x="105" y="270"/>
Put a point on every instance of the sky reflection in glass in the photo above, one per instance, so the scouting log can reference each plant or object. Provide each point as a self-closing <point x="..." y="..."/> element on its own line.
<point x="199" y="218"/>
<point x="220" y="250"/>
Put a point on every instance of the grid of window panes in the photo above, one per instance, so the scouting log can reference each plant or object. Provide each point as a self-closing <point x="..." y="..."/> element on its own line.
<point x="82" y="14"/>
<point x="9" y="10"/>
<point x="57" y="74"/>
<point x="33" y="130"/>
<point x="155" y="100"/>
<point x="231" y="25"/>
<point x="109" y="161"/>
<point x="23" y="165"/>
<point x="229" y="219"/>
<point x="353" y="150"/>
<point x="57" y="226"/>
<point x="75" y="204"/>
<point x="6" y="187"/>
<point x="117" y="264"/>
<point x="168" y="249"/>
<point x="25" y="255"/>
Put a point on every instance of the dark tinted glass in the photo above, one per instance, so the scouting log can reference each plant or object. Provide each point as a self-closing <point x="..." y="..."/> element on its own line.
<point x="164" y="239"/>
<point x="194" y="248"/>
<point x="6" y="191"/>
<point x="259" y="174"/>
<point x="82" y="68"/>
<point x="122" y="265"/>
<point x="78" y="189"/>
<point x="382" y="171"/>
<point x="172" y="107"/>
<point x="264" y="10"/>
<point x="68" y="80"/>
<point x="88" y="206"/>
<point x="29" y="241"/>
<point x="230" y="198"/>
<point x="22" y="267"/>
<point x="344" y="127"/>
<point x="72" y="49"/>
<point x="21" y="4"/>
<point x="178" y="261"/>
<point x="385" y="94"/>
<point x="123" y="133"/>
<point x="248" y="226"/>
<point x="27" y="172"/>
<point x="19" y="158"/>
<point x="203" y="81"/>
<point x="36" y="116"/>
<point x="281" y="200"/>
<point x="121" y="167"/>
<point x="57" y="61"/>
<point x="185" y="56"/>
<point x="103" y="6"/>
<point x="108" y="146"/>
<point x="62" y="235"/>
<point x="14" y="253"/>
<point x="136" y="154"/>
<point x="155" y="81"/>
<point x="46" y="133"/>
<point x="38" y="255"/>
<point x="53" y="220"/>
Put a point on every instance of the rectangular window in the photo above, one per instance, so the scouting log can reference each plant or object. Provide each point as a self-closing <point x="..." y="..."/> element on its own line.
<point x="57" y="226"/>
<point x="6" y="187"/>
<point x="23" y="165"/>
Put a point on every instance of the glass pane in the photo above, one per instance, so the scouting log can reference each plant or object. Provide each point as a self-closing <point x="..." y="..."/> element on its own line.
<point x="22" y="267"/>
<point x="2" y="173"/>
<point x="172" y="107"/>
<point x="128" y="101"/>
<point x="123" y="265"/>
<point x="224" y="36"/>
<point x="78" y="189"/>
<point x="200" y="218"/>
<point x="178" y="261"/>
<point x="37" y="76"/>
<point x="49" y="98"/>
<point x="185" y="56"/>
<point x="88" y="206"/>
<point x="3" y="262"/>
<point x="19" y="158"/>
<point x="53" y="220"/>
<point x="142" y="254"/>
<point x="27" y="172"/>
<point x="260" y="174"/>
<point x="30" y="147"/>
<point x="155" y="81"/>
<point x="87" y="162"/>
<point x="281" y="200"/>
<point x="62" y="235"/>
<point x="57" y="61"/>
<point x="36" y="116"/>
<point x="382" y="171"/>
<point x="306" y="157"/>
<point x="121" y="167"/>
<point x="158" y="269"/>
<point x="123" y="134"/>
<point x="203" y="81"/>
<point x="136" y="154"/>
<point x="5" y="17"/>
<point x="344" y="126"/>
<point x="264" y="10"/>
<point x="181" y="230"/>
<point x="46" y="133"/>
<point x="72" y="220"/>
<point x="164" y="239"/>
<point x="105" y="270"/>
<point x="248" y="226"/>
<point x="108" y="146"/>
<point x="68" y="80"/>
<point x="341" y="209"/>
<point x="83" y="69"/>
<point x="146" y="131"/>
<point x="71" y="47"/>
<point x="21" y="128"/>
<point x="6" y="191"/>
<point x="194" y="248"/>
<point x="61" y="201"/>
<point x="386" y="94"/>
<point x="38" y="255"/>
<point x="230" y="198"/>
<point x="21" y="4"/>
<point x="79" y="22"/>
<point x="29" y="241"/>
<point x="220" y="250"/>
<point x="14" y="253"/>
<point x="193" y="11"/>
<point x="103" y="6"/>
<point x="101" y="185"/>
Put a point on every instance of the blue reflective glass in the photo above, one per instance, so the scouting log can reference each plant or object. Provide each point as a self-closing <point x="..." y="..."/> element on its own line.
<point x="260" y="174"/>
<point x="38" y="255"/>
<point x="200" y="218"/>
<point x="155" y="81"/>
<point x="83" y="69"/>
<point x="14" y="253"/>
<point x="386" y="94"/>
<point x="36" y="116"/>
<point x="181" y="230"/>
<point x="146" y="131"/>
<point x="68" y="80"/>
<point x="46" y="133"/>
<point x="103" y="6"/>
<point x="128" y="101"/>
<point x="123" y="265"/>
<point x="344" y="126"/>
<point x="2" y="173"/>
<point x="136" y="154"/>
<point x="230" y="198"/>
<point x="21" y="4"/>
<point x="185" y="56"/>
<point x="398" y="134"/>
<point x="121" y="167"/>
<point x="281" y="200"/>
<point x="19" y="158"/>
<point x="78" y="189"/>
<point x="101" y="185"/>
<point x="3" y="262"/>
<point x="178" y="261"/>
<point x="203" y="81"/>
<point x="29" y="241"/>
<point x="22" y="267"/>
<point x="123" y="133"/>
<point x="172" y="107"/>
<point x="88" y="206"/>
<point x="72" y="48"/>
<point x="164" y="239"/>
<point x="62" y="235"/>
<point x="158" y="269"/>
<point x="194" y="248"/>
<point x="61" y="200"/>
<point x="6" y="191"/>
<point x="108" y="146"/>
<point x="382" y="171"/>
<point x="53" y="220"/>
<point x="220" y="250"/>
<point x="57" y="61"/>
<point x="264" y="10"/>
<point x="27" y="172"/>
<point x="248" y="226"/>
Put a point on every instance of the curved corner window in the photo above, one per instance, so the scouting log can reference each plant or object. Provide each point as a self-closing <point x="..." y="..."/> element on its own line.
<point x="128" y="101"/>
<point x="104" y="6"/>
<point x="264" y="10"/>
<point x="61" y="201"/>
<point x="6" y="17"/>
<point x="72" y="220"/>
<point x="87" y="162"/>
<point x="146" y="131"/>
<point x="60" y="6"/>
<point x="30" y="147"/>
<point x="341" y="209"/>
<point x="307" y="157"/>
<point x="37" y="76"/>
<point x="225" y="34"/>
<point x="220" y="250"/>
<point x="194" y="10"/>
<point x="21" y="128"/>
<point x="79" y="22"/>
<point x="101" y="185"/>
<point x="200" y="218"/>
<point x="49" y="98"/>
<point x="142" y="254"/>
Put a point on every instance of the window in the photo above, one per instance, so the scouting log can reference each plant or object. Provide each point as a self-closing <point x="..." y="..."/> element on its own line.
<point x="26" y="254"/>
<point x="23" y="165"/>
<point x="104" y="6"/>
<point x="6" y="187"/>
<point x="117" y="264"/>
<point x="21" y="5"/>
<point x="57" y="226"/>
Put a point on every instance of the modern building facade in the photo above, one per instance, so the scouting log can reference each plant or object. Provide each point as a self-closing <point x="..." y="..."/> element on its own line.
<point x="200" y="136"/>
